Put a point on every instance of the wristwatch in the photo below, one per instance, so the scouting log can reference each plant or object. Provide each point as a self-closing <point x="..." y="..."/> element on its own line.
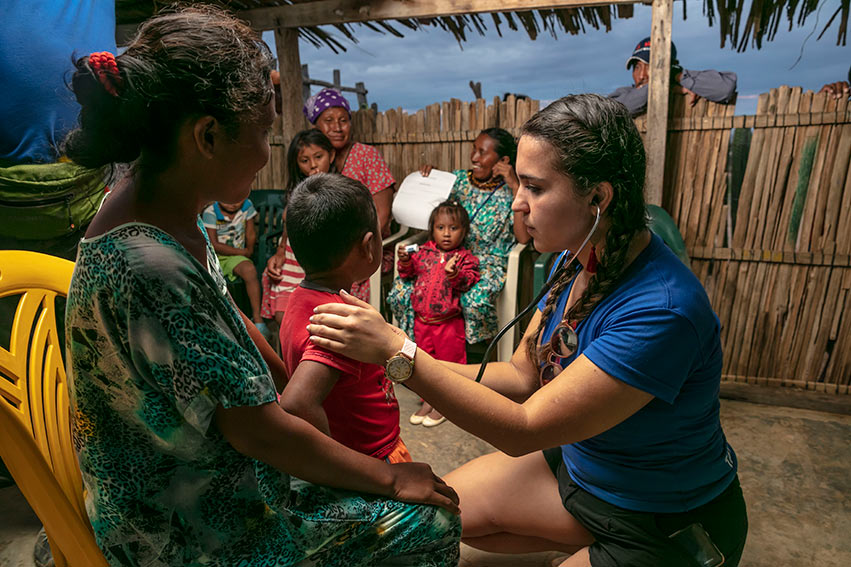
<point x="400" y="366"/>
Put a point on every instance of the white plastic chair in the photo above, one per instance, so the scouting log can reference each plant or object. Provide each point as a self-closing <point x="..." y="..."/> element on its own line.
<point x="506" y="302"/>
<point x="375" y="278"/>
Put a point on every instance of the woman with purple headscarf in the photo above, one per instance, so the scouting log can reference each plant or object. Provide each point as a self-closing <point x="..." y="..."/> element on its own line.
<point x="329" y="112"/>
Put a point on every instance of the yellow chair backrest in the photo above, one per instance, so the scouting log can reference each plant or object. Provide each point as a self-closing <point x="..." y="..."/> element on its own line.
<point x="34" y="412"/>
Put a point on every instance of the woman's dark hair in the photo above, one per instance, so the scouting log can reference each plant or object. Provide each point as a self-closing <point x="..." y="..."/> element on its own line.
<point x="505" y="143"/>
<point x="455" y="211"/>
<point x="594" y="140"/>
<point x="327" y="215"/>
<point x="309" y="137"/>
<point x="183" y="63"/>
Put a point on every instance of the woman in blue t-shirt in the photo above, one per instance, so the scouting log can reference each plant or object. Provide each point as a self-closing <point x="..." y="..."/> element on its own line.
<point x="607" y="415"/>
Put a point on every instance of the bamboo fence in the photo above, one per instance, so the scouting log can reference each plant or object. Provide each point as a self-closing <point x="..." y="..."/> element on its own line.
<point x="774" y="258"/>
<point x="779" y="277"/>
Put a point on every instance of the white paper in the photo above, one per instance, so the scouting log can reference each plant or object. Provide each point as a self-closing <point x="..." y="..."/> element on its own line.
<point x="418" y="195"/>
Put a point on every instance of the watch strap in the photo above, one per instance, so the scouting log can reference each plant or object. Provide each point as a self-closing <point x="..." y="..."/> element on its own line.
<point x="409" y="348"/>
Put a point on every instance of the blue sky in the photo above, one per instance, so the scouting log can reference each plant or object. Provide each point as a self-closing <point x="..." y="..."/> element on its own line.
<point x="429" y="66"/>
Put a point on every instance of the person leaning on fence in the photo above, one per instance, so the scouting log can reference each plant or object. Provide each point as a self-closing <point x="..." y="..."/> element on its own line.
<point x="329" y="111"/>
<point x="715" y="86"/>
<point x="838" y="89"/>
<point x="485" y="191"/>
<point x="608" y="412"/>
<point x="185" y="454"/>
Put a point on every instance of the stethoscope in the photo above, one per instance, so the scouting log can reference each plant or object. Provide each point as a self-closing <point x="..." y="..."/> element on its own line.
<point x="560" y="269"/>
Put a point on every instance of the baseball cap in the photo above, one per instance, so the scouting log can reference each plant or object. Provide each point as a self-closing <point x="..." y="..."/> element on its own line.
<point x="642" y="53"/>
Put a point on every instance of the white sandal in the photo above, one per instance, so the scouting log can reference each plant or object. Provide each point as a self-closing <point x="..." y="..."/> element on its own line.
<point x="429" y="422"/>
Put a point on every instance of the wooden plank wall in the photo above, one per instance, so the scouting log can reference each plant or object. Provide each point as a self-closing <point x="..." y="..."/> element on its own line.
<point x="782" y="296"/>
<point x="781" y="284"/>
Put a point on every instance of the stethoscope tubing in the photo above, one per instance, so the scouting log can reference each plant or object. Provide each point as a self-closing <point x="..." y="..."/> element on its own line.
<point x="557" y="273"/>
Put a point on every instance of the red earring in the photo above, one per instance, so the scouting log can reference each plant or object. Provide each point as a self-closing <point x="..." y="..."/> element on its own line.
<point x="592" y="261"/>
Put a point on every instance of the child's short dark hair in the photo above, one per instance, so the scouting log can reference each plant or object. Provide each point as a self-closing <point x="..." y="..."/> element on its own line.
<point x="327" y="215"/>
<point x="456" y="212"/>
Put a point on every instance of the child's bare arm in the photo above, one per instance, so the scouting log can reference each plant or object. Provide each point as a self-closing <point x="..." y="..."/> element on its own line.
<point x="292" y="445"/>
<point x="250" y="235"/>
<point x="223" y="249"/>
<point x="273" y="361"/>
<point x="308" y="387"/>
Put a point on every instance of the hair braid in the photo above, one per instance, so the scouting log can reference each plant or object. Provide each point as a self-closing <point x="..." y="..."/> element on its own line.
<point x="552" y="299"/>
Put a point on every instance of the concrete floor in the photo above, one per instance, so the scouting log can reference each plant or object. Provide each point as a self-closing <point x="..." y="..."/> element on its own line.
<point x="794" y="465"/>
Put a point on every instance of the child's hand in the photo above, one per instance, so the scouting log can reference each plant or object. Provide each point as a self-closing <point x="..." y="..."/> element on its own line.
<point x="450" y="267"/>
<point x="403" y="256"/>
<point x="276" y="264"/>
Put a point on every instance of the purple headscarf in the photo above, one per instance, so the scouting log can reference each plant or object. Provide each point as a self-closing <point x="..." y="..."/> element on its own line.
<point x="322" y="101"/>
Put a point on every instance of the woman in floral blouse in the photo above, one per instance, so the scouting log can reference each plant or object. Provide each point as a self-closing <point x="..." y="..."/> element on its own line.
<point x="486" y="192"/>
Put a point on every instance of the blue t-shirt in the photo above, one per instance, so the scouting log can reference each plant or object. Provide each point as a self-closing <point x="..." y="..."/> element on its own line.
<point x="37" y="40"/>
<point x="656" y="332"/>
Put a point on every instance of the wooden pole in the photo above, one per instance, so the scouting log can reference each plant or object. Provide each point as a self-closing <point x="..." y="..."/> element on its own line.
<point x="657" y="99"/>
<point x="289" y="65"/>
<point x="305" y="85"/>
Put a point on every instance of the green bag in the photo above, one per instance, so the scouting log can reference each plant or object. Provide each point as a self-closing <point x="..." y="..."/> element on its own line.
<point x="45" y="201"/>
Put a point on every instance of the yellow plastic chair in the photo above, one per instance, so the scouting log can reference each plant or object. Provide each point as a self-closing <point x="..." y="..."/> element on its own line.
<point x="34" y="413"/>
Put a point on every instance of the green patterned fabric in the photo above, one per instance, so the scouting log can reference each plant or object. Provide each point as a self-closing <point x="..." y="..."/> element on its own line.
<point x="490" y="239"/>
<point x="154" y="346"/>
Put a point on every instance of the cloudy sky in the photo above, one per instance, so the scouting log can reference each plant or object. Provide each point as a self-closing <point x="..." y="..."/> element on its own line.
<point x="429" y="66"/>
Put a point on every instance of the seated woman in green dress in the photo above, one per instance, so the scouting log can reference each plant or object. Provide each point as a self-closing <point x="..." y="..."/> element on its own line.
<point x="185" y="454"/>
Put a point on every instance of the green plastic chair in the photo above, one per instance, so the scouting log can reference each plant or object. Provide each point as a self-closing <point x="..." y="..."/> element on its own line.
<point x="270" y="224"/>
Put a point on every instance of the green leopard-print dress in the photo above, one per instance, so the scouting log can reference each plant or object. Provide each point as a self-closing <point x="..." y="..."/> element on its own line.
<point x="154" y="346"/>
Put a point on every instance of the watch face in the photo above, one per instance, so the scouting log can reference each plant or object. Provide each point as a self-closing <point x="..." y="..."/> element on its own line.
<point x="399" y="368"/>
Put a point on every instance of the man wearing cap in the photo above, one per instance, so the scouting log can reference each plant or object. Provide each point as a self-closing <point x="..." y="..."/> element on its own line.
<point x="717" y="86"/>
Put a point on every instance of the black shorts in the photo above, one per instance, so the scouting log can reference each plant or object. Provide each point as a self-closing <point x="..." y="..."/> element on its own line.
<point x="637" y="539"/>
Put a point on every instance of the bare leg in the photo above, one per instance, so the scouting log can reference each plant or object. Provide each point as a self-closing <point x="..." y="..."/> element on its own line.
<point x="424" y="409"/>
<point x="248" y="273"/>
<point x="579" y="559"/>
<point x="512" y="505"/>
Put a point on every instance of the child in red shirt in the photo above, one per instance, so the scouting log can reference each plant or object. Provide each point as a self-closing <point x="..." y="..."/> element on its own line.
<point x="333" y="230"/>
<point x="442" y="269"/>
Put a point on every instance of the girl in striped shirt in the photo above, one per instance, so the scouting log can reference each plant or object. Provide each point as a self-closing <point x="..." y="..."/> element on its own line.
<point x="309" y="153"/>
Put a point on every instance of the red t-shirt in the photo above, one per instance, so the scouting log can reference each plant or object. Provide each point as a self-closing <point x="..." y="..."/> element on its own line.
<point x="362" y="410"/>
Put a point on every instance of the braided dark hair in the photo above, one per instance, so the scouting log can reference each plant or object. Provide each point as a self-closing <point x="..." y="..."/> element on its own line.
<point x="595" y="141"/>
<point x="186" y="62"/>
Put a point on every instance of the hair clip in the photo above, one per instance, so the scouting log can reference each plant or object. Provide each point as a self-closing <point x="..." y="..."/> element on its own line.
<point x="105" y="66"/>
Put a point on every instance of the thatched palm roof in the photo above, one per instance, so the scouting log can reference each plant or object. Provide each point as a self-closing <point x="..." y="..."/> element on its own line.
<point x="741" y="29"/>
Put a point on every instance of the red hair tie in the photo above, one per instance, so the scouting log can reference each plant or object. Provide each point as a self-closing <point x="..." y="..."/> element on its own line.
<point x="105" y="66"/>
